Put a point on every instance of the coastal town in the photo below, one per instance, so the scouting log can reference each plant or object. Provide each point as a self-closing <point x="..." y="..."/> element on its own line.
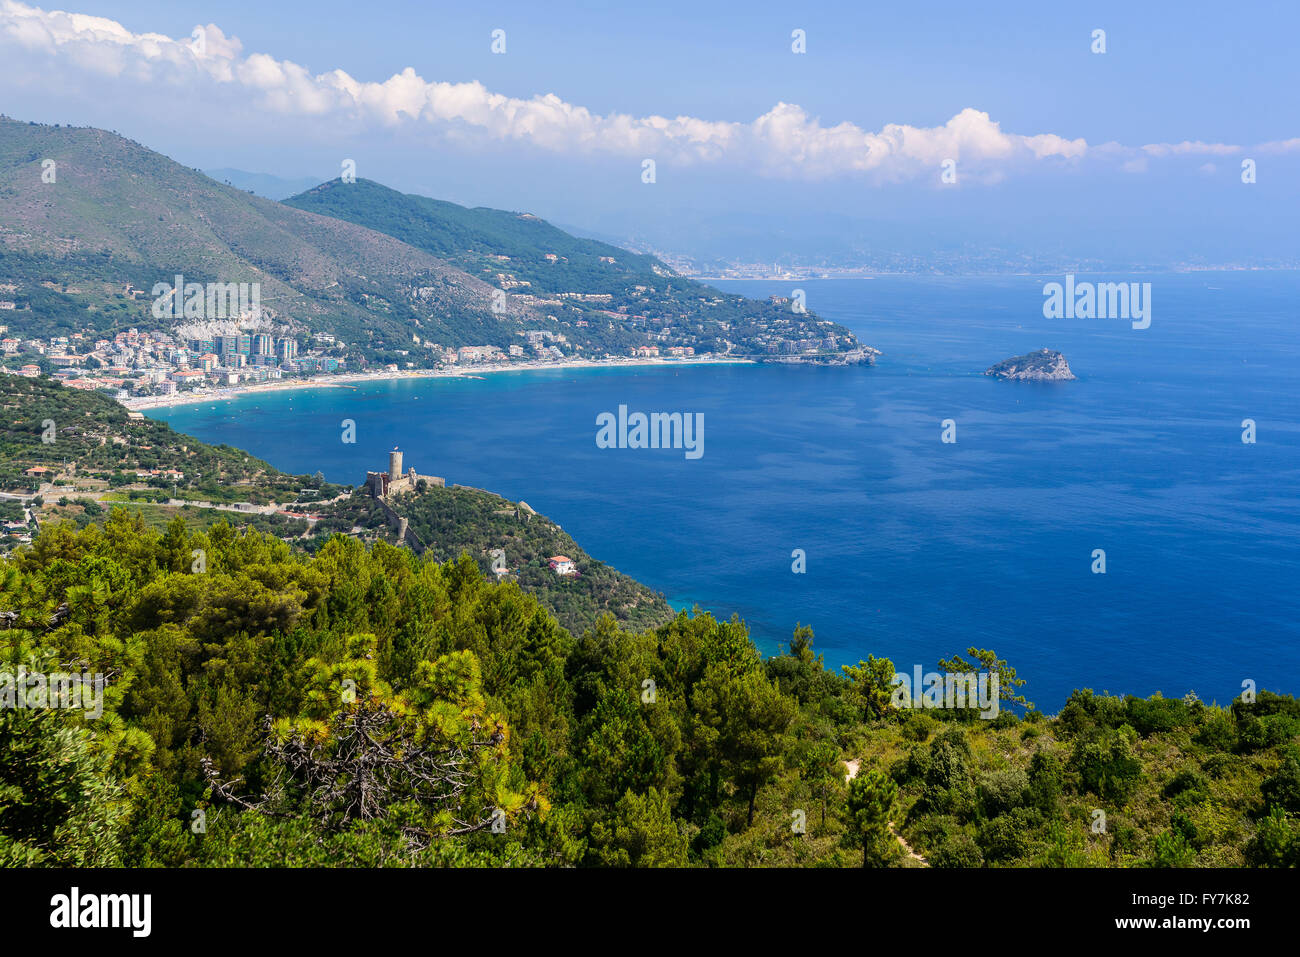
<point x="150" y="348"/>
<point x="146" y="369"/>
<point x="141" y="364"/>
<point x="154" y="363"/>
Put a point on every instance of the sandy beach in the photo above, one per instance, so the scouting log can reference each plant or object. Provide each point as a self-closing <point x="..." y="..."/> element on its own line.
<point x="350" y="379"/>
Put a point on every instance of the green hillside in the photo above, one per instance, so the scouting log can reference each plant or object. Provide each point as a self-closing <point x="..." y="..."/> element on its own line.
<point x="46" y="425"/>
<point x="645" y="302"/>
<point x="91" y="222"/>
<point x="445" y="522"/>
<point x="118" y="213"/>
<point x="470" y="237"/>
<point x="100" y="458"/>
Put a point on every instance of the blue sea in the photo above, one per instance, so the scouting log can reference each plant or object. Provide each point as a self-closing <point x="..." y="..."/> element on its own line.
<point x="915" y="549"/>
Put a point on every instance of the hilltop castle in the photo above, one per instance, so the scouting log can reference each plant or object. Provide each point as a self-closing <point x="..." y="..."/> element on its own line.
<point x="392" y="482"/>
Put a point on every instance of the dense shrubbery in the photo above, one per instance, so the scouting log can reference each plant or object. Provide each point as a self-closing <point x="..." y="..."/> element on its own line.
<point x="449" y="521"/>
<point x="363" y="706"/>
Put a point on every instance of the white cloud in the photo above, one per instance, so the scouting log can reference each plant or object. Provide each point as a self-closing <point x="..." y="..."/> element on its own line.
<point x="1281" y="146"/>
<point x="785" y="141"/>
<point x="1187" y="148"/>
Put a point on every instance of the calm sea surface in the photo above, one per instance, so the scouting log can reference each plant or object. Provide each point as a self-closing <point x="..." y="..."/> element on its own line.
<point x="915" y="549"/>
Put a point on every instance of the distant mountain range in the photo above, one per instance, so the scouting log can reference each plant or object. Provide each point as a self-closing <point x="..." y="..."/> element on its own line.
<point x="263" y="184"/>
<point x="87" y="216"/>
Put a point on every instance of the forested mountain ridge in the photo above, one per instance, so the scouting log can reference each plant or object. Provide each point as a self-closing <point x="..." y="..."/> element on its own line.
<point x="606" y="297"/>
<point x="482" y="240"/>
<point x="86" y="210"/>
<point x="91" y="223"/>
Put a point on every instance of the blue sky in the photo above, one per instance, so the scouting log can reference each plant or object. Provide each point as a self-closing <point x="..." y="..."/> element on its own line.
<point x="1172" y="71"/>
<point x="1057" y="142"/>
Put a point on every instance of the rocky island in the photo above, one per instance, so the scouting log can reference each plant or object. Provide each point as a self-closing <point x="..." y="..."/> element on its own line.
<point x="1045" y="365"/>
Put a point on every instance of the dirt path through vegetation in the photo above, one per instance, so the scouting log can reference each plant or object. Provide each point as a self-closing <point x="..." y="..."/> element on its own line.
<point x="852" y="769"/>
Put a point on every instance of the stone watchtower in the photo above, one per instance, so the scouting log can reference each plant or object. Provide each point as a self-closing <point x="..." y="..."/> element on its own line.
<point x="393" y="482"/>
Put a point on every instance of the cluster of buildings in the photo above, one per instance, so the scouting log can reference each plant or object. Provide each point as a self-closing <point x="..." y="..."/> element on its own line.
<point x="471" y="354"/>
<point x="540" y="344"/>
<point x="135" y="362"/>
<point x="781" y="346"/>
<point x="651" y="352"/>
<point x="543" y="344"/>
<point x="802" y="337"/>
